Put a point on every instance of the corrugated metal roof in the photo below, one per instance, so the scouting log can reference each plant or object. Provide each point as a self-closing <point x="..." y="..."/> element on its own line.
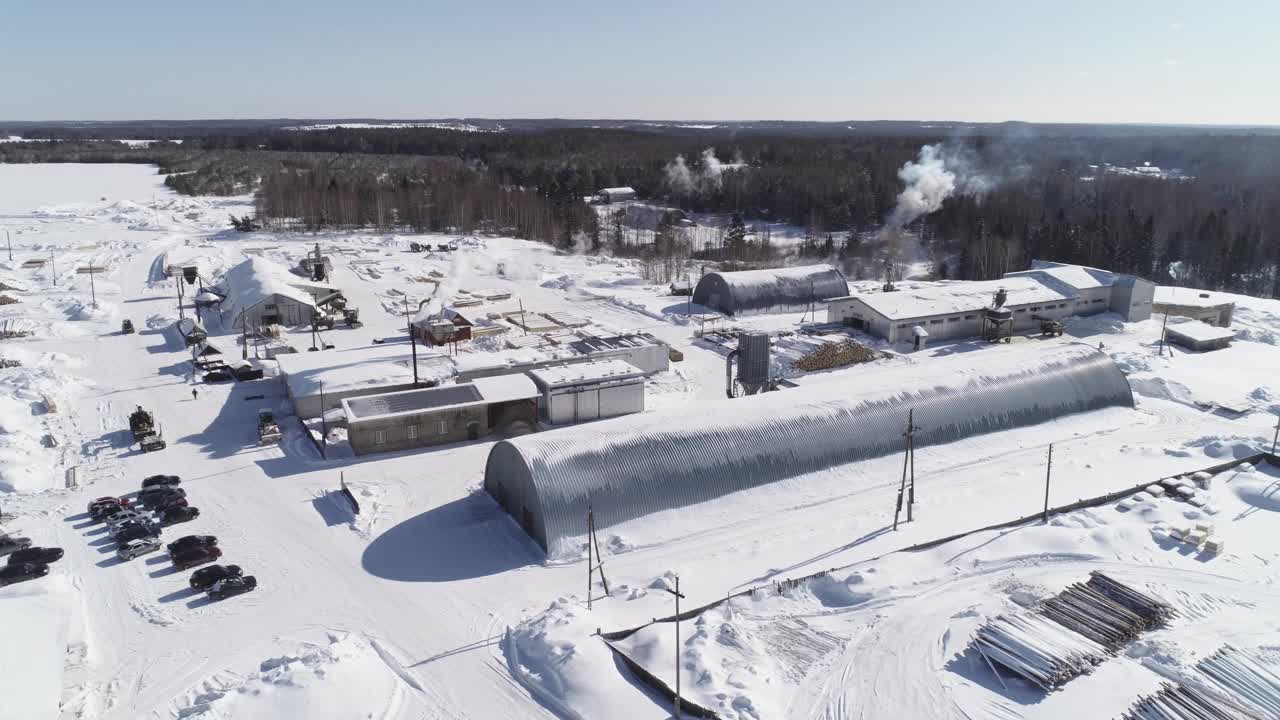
<point x="775" y="290"/>
<point x="635" y="466"/>
<point x="255" y="280"/>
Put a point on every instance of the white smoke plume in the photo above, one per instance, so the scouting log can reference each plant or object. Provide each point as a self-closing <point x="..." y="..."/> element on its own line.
<point x="684" y="180"/>
<point x="928" y="184"/>
<point x="938" y="173"/>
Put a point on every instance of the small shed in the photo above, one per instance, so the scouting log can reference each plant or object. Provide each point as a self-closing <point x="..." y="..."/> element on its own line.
<point x="1199" y="336"/>
<point x="589" y="391"/>
<point x="1208" y="307"/>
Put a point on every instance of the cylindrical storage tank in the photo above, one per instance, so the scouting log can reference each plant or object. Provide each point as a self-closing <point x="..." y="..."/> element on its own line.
<point x="753" y="361"/>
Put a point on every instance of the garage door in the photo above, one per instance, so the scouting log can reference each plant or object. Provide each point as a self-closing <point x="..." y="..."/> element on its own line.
<point x="587" y="405"/>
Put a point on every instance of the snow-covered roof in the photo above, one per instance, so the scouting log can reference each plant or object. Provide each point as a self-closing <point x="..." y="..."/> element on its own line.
<point x="505" y="388"/>
<point x="642" y="464"/>
<point x="773" y="290"/>
<point x="362" y="367"/>
<point x="502" y="388"/>
<point x="1198" y="331"/>
<point x="186" y="326"/>
<point x="257" y="279"/>
<point x="960" y="296"/>
<point x="617" y="191"/>
<point x="1078" y="277"/>
<point x="585" y="372"/>
<point x="1190" y="297"/>
<point x="207" y="296"/>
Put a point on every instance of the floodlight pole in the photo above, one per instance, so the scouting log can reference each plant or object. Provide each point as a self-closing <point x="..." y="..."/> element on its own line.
<point x="324" y="429"/>
<point x="9" y="241"/>
<point x="93" y="292"/>
<point x="53" y="265"/>
<point x="1275" y="437"/>
<point x="413" y="343"/>
<point x="1047" y="472"/>
<point x="678" y="595"/>
<point x="1163" y="325"/>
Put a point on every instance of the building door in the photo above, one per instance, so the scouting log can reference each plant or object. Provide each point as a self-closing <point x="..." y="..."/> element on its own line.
<point x="586" y="405"/>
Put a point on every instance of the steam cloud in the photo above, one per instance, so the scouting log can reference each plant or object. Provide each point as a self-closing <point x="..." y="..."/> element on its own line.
<point x="684" y="180"/>
<point x="937" y="174"/>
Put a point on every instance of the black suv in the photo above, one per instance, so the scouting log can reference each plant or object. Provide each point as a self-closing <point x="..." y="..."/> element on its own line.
<point x="160" y="481"/>
<point x="206" y="577"/>
<point x="232" y="586"/>
<point x="187" y="542"/>
<point x="136" y="532"/>
<point x="36" y="556"/>
<point x="10" y="574"/>
<point x="154" y="497"/>
<point x="175" y="515"/>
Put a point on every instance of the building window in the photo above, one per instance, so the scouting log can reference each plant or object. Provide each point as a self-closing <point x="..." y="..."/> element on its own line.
<point x="902" y="326"/>
<point x="269" y="306"/>
<point x="935" y="322"/>
<point x="443" y="428"/>
<point x="1097" y="300"/>
<point x="954" y="319"/>
<point x="411" y="432"/>
<point x="1022" y="310"/>
<point x="1035" y="308"/>
<point x="379" y="437"/>
<point x="968" y="317"/>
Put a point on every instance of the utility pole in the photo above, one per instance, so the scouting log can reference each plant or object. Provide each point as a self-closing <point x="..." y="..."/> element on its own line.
<point x="598" y="563"/>
<point x="181" y="315"/>
<point x="1275" y="437"/>
<point x="324" y="429"/>
<point x="1047" y="472"/>
<point x="1163" y="325"/>
<point x="523" y="324"/>
<point x="53" y="265"/>
<point x="676" y="592"/>
<point x="93" y="292"/>
<point x="908" y="462"/>
<point x="8" y="240"/>
<point x="413" y="343"/>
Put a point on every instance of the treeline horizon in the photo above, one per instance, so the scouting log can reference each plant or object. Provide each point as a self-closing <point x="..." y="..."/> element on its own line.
<point x="1040" y="197"/>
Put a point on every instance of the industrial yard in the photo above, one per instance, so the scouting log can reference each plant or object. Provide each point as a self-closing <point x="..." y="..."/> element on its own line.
<point x="470" y="472"/>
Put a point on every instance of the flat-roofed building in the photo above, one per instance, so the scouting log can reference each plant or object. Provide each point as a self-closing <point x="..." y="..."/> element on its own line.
<point x="589" y="391"/>
<point x="1208" y="307"/>
<point x="388" y="422"/>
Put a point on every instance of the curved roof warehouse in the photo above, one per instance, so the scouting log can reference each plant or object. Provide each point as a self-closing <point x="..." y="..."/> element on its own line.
<point x="762" y="291"/>
<point x="642" y="464"/>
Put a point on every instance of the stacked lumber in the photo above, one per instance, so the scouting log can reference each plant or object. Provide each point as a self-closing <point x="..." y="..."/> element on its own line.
<point x="833" y="355"/>
<point x="1037" y="649"/>
<point x="1244" y="678"/>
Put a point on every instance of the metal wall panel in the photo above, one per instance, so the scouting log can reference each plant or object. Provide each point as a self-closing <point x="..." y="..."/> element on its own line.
<point x="635" y="466"/>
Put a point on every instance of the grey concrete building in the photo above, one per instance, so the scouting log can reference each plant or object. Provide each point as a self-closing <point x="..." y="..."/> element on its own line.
<point x="1096" y="291"/>
<point x="1208" y="307"/>
<point x="409" y="419"/>
<point x="1199" y="336"/>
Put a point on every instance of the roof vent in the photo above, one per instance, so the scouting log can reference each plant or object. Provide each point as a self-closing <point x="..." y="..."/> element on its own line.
<point x="1204" y="295"/>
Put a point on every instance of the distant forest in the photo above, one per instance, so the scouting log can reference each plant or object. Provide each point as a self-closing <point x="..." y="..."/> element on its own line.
<point x="1020" y="195"/>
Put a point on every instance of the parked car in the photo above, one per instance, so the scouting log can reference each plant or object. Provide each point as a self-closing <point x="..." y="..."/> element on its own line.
<point x="10" y="574"/>
<point x="97" y="506"/>
<point x="192" y="557"/>
<point x="248" y="372"/>
<point x="186" y="542"/>
<point x="136" y="532"/>
<point x="110" y="511"/>
<point x="169" y="501"/>
<point x="232" y="586"/>
<point x="123" y="517"/>
<point x="10" y="544"/>
<point x="151" y="498"/>
<point x="140" y="546"/>
<point x="218" y="375"/>
<point x="160" y="480"/>
<point x="35" y="556"/>
<point x="115" y="530"/>
<point x="174" y="515"/>
<point x="206" y="577"/>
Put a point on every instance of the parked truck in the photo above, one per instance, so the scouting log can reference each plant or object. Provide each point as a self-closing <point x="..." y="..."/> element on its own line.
<point x="268" y="430"/>
<point x="143" y="426"/>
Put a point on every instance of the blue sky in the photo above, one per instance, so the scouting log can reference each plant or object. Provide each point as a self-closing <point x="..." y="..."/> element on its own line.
<point x="986" y="60"/>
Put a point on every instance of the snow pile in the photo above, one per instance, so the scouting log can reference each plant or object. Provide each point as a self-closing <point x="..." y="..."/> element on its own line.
<point x="26" y="464"/>
<point x="346" y="678"/>
<point x="81" y="311"/>
<point x="554" y="656"/>
<point x="37" y="622"/>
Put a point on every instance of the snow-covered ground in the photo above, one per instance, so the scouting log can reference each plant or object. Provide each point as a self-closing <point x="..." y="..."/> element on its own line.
<point x="433" y="603"/>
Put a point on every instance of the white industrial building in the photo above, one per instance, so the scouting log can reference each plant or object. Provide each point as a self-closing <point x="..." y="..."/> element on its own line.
<point x="589" y="390"/>
<point x="641" y="350"/>
<point x="258" y="293"/>
<point x="955" y="309"/>
<point x="317" y="380"/>
<point x="1209" y="307"/>
<point x="615" y="194"/>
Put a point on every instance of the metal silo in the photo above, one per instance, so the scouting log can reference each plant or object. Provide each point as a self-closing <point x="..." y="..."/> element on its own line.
<point x="753" y="361"/>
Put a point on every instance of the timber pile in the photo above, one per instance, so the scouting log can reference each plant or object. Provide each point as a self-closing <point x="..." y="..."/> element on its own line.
<point x="11" y="334"/>
<point x="1105" y="611"/>
<point x="1244" y="678"/>
<point x="6" y="300"/>
<point x="833" y="355"/>
<point x="7" y="363"/>
<point x="1180" y="702"/>
<point x="1037" y="649"/>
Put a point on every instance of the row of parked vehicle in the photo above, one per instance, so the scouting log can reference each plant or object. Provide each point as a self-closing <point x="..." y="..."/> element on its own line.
<point x="136" y="527"/>
<point x="23" y="561"/>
